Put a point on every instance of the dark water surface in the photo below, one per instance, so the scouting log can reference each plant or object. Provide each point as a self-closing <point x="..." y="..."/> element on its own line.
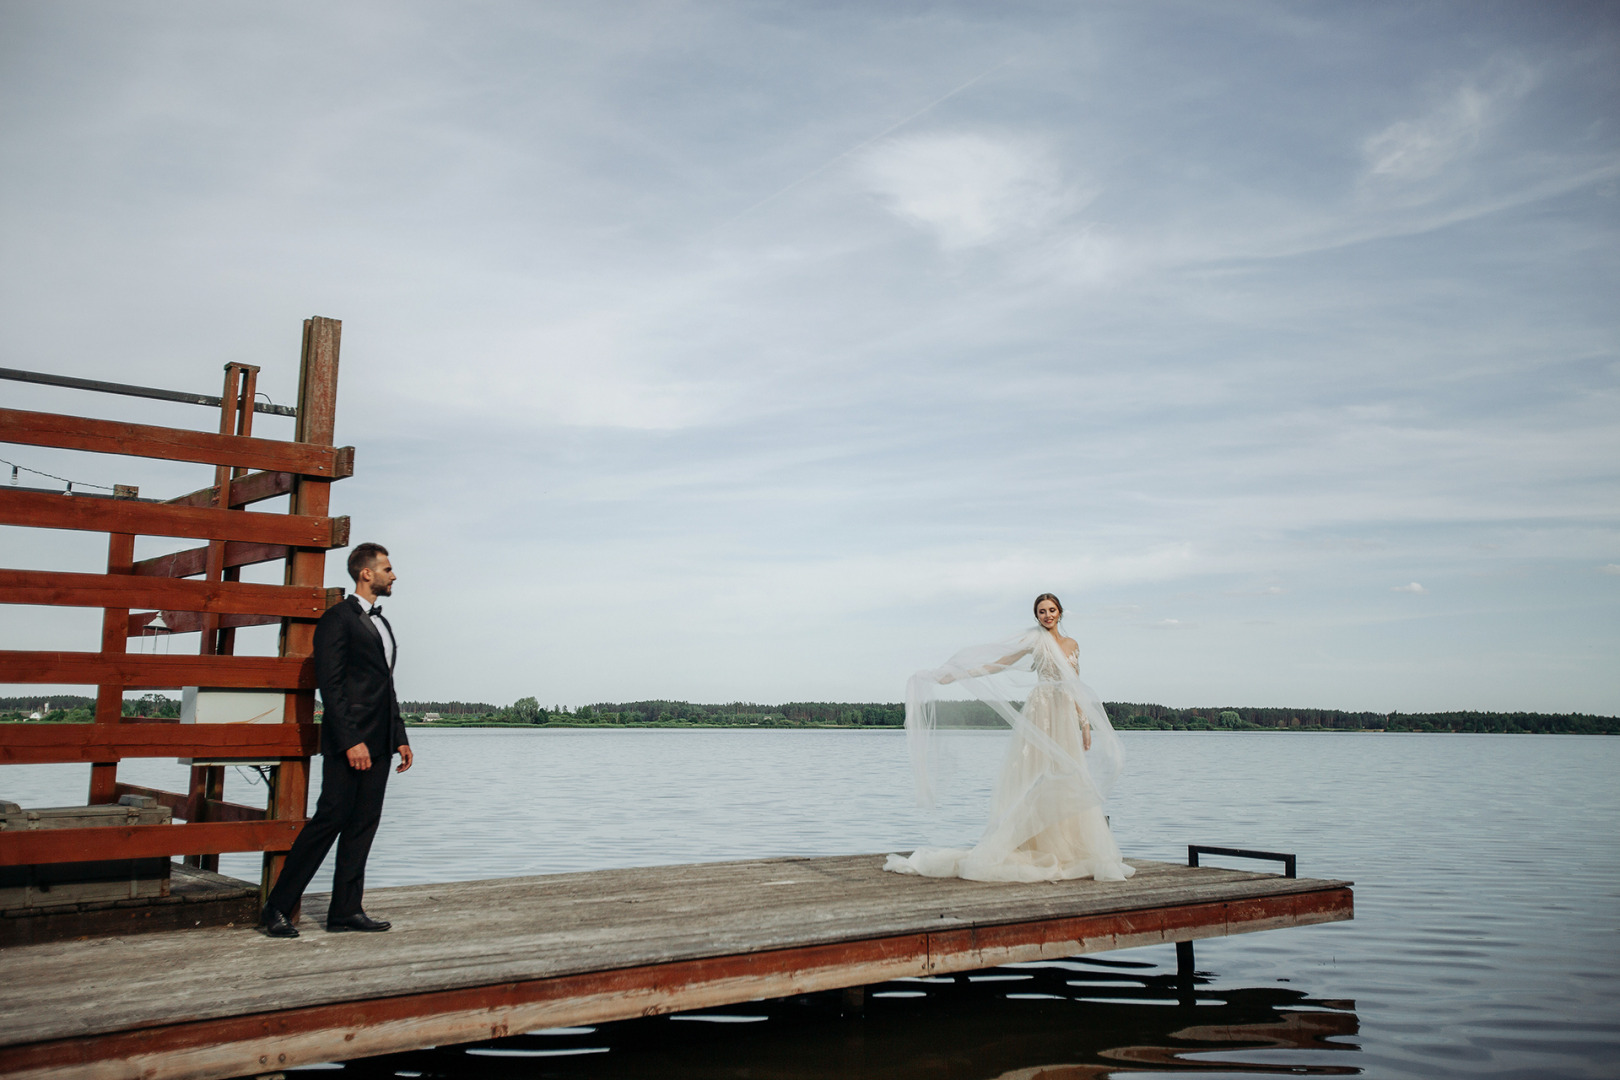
<point x="1486" y="940"/>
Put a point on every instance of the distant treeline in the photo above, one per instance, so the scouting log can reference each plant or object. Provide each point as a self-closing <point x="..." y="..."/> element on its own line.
<point x="528" y="712"/>
<point x="1125" y="715"/>
<point x="1134" y="716"/>
<point x="55" y="701"/>
<point x="450" y="708"/>
<point x="74" y="709"/>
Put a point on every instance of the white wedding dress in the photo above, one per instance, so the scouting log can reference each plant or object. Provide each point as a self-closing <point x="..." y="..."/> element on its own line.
<point x="1046" y="817"/>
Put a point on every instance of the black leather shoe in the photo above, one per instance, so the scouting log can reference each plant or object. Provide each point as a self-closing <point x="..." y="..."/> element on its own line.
<point x="358" y="921"/>
<point x="273" y="923"/>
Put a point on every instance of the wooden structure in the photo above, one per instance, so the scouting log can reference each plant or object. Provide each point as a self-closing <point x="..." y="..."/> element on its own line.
<point x="483" y="959"/>
<point x="196" y="589"/>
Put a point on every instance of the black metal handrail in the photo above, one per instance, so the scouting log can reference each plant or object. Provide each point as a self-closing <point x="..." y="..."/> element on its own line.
<point x="103" y="387"/>
<point x="1195" y="850"/>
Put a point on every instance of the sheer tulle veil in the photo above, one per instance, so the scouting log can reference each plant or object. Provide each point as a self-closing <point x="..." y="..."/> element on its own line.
<point x="1000" y="675"/>
<point x="1046" y="821"/>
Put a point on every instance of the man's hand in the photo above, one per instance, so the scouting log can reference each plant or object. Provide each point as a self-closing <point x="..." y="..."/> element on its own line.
<point x="359" y="757"/>
<point x="405" y="759"/>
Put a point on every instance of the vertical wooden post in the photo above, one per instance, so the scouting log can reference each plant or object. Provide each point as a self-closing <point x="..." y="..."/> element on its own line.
<point x="317" y="411"/>
<point x="243" y="421"/>
<point x="114" y="639"/>
<point x="208" y="781"/>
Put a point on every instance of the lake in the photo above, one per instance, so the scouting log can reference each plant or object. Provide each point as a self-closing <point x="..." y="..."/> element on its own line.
<point x="1486" y="868"/>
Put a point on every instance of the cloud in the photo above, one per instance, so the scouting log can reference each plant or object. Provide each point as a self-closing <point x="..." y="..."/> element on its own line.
<point x="1417" y="149"/>
<point x="1414" y="587"/>
<point x="968" y="189"/>
<point x="1453" y="128"/>
<point x="1611" y="568"/>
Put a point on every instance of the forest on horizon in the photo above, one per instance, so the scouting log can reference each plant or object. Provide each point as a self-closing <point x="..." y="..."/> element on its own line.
<point x="1126" y="716"/>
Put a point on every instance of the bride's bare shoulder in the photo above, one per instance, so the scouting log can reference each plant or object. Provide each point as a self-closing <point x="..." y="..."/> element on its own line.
<point x="1070" y="646"/>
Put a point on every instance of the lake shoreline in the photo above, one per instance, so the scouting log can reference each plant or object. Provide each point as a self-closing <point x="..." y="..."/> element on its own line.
<point x="680" y="726"/>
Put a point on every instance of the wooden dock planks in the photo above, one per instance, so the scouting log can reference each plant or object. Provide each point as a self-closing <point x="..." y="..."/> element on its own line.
<point x="472" y="960"/>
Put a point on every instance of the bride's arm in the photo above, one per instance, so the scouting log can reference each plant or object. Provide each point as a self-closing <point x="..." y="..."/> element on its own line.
<point x="989" y="669"/>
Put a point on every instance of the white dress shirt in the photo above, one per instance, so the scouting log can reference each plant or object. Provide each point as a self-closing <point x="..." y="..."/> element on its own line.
<point x="379" y="626"/>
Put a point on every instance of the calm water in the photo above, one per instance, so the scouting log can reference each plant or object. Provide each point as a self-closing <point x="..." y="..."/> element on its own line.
<point x="1486" y="940"/>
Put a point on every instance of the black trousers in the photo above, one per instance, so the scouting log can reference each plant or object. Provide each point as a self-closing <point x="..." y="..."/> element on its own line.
<point x="348" y="812"/>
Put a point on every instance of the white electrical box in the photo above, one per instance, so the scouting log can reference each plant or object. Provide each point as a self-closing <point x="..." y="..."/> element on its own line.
<point x="201" y="705"/>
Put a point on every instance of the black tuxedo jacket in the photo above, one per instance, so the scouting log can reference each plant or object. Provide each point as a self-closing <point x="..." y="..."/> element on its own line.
<point x="357" y="684"/>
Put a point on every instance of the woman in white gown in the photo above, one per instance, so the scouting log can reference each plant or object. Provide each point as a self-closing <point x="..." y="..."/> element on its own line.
<point x="1046" y="818"/>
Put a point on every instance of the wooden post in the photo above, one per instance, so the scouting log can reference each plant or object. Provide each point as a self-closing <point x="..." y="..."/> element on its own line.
<point x="243" y="422"/>
<point x="114" y="639"/>
<point x="208" y="781"/>
<point x="317" y="410"/>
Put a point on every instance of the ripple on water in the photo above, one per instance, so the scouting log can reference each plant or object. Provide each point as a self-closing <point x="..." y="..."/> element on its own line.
<point x="1474" y="952"/>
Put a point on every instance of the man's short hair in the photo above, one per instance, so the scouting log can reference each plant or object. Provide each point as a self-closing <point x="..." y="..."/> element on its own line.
<point x="364" y="556"/>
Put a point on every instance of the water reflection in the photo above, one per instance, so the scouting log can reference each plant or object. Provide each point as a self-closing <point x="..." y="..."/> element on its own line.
<point x="1060" y="1020"/>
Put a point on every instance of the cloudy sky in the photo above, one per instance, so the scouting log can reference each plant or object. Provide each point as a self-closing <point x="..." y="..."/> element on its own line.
<point x="728" y="351"/>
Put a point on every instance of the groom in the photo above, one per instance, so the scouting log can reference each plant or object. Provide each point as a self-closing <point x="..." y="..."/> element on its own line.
<point x="361" y="728"/>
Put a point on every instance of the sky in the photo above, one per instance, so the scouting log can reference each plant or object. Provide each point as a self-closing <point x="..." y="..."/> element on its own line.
<point x="771" y="351"/>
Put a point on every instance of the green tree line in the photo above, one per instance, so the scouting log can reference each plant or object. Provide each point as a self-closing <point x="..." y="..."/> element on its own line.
<point x="528" y="712"/>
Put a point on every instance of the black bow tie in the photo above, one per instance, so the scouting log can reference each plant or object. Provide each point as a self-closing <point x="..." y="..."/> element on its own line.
<point x="376" y="609"/>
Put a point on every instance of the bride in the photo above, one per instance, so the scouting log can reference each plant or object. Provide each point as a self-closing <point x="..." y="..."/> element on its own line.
<point x="1046" y="819"/>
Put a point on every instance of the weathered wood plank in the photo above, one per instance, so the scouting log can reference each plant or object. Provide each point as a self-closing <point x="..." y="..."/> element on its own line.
<point x="244" y="490"/>
<point x="453" y="969"/>
<point x="138" y="672"/>
<point x="128" y="591"/>
<point x="32" y="744"/>
<point x="461" y="936"/>
<point x="33" y="510"/>
<point x="24" y="847"/>
<point x="174" y="444"/>
<point x="194" y="561"/>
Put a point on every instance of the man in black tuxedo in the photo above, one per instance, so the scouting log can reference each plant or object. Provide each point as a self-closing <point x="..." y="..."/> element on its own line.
<point x="361" y="728"/>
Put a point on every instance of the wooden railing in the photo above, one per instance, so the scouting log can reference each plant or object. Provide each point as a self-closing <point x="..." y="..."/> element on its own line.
<point x="192" y="590"/>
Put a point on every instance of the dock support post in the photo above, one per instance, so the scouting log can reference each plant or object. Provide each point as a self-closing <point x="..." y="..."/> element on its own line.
<point x="854" y="1001"/>
<point x="317" y="406"/>
<point x="1184" y="962"/>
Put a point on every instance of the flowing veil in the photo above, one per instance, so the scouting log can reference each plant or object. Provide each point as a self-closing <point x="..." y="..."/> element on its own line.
<point x="1046" y="820"/>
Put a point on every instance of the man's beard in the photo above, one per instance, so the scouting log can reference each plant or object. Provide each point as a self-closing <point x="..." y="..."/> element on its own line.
<point x="383" y="590"/>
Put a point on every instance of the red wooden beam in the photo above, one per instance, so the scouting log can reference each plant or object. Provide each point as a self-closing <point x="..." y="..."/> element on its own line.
<point x="50" y="588"/>
<point x="137" y="672"/>
<point x="35" y="510"/>
<point x="32" y="744"/>
<point x="190" y="622"/>
<point x="213" y="809"/>
<point x="220" y="810"/>
<point x="194" y="561"/>
<point x="245" y="490"/>
<point x="174" y="444"/>
<point x="28" y="847"/>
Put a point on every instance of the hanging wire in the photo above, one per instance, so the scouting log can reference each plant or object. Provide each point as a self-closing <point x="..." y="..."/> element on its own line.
<point x="15" y="468"/>
<point x="262" y="774"/>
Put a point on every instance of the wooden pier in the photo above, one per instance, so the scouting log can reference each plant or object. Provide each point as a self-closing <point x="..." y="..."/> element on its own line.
<point x="483" y="959"/>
